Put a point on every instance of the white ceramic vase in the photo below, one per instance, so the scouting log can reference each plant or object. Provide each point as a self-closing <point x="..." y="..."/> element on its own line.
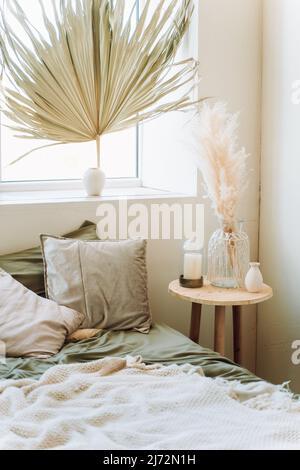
<point x="254" y="280"/>
<point x="94" y="181"/>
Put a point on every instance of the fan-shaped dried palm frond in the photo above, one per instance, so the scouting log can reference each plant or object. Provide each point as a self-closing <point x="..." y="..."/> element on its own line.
<point x="93" y="74"/>
<point x="222" y="164"/>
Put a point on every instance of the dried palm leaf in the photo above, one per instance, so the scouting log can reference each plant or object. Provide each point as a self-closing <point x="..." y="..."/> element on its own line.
<point x="92" y="74"/>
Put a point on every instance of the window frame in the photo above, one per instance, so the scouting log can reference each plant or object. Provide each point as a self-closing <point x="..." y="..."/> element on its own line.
<point x="76" y="184"/>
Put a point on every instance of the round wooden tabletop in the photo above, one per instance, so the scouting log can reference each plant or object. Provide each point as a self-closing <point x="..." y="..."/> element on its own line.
<point x="210" y="295"/>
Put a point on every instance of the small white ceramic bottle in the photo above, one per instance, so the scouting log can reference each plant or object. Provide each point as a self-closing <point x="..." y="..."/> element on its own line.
<point x="94" y="181"/>
<point x="254" y="280"/>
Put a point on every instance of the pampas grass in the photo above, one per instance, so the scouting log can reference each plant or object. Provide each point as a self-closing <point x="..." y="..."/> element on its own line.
<point x="221" y="162"/>
<point x="94" y="74"/>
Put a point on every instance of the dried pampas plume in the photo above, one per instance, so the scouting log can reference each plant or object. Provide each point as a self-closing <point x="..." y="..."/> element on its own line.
<point x="221" y="162"/>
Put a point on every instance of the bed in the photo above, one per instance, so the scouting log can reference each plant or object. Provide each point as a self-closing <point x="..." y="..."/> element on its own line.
<point x="110" y="393"/>
<point x="124" y="390"/>
<point x="162" y="345"/>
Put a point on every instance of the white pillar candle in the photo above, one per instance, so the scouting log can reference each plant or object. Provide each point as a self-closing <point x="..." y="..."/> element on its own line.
<point x="192" y="266"/>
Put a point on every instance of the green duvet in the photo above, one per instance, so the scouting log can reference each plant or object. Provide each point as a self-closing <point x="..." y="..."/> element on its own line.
<point x="162" y="344"/>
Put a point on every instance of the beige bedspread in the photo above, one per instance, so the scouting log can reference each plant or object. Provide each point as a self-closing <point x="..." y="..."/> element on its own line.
<point x="122" y="404"/>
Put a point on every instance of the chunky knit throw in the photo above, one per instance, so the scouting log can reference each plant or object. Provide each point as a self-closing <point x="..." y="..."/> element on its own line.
<point x="122" y="404"/>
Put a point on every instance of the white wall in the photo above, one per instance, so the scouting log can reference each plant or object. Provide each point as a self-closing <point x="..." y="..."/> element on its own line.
<point x="230" y="47"/>
<point x="279" y="319"/>
<point x="230" y="41"/>
<point x="20" y="227"/>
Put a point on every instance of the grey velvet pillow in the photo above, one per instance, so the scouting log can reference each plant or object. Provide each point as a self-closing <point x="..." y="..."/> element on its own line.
<point x="31" y="326"/>
<point x="107" y="281"/>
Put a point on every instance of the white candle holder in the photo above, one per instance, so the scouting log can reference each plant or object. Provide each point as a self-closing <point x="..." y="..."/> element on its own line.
<point x="192" y="265"/>
<point x="191" y="283"/>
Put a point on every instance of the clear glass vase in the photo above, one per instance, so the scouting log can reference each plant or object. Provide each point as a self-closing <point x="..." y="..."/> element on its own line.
<point x="228" y="256"/>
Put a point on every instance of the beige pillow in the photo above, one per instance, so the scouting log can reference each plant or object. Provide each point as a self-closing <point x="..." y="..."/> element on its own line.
<point x="31" y="326"/>
<point x="107" y="281"/>
<point x="81" y="335"/>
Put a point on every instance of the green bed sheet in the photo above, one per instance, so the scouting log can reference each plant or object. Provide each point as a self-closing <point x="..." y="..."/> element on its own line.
<point x="162" y="344"/>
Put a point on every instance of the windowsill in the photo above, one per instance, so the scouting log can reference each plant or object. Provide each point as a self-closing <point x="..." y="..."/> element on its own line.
<point x="25" y="198"/>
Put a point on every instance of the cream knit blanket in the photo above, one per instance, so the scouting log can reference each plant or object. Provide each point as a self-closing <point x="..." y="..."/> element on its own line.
<point x="122" y="404"/>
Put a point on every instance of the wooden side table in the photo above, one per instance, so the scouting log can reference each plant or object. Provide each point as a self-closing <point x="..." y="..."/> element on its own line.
<point x="220" y="298"/>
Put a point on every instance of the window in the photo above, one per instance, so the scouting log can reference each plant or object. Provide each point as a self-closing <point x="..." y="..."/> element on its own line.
<point x="119" y="151"/>
<point x="67" y="162"/>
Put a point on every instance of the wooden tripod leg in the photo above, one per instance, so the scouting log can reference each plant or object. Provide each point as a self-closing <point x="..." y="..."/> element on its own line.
<point x="220" y="330"/>
<point x="236" y="311"/>
<point x="195" y="322"/>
